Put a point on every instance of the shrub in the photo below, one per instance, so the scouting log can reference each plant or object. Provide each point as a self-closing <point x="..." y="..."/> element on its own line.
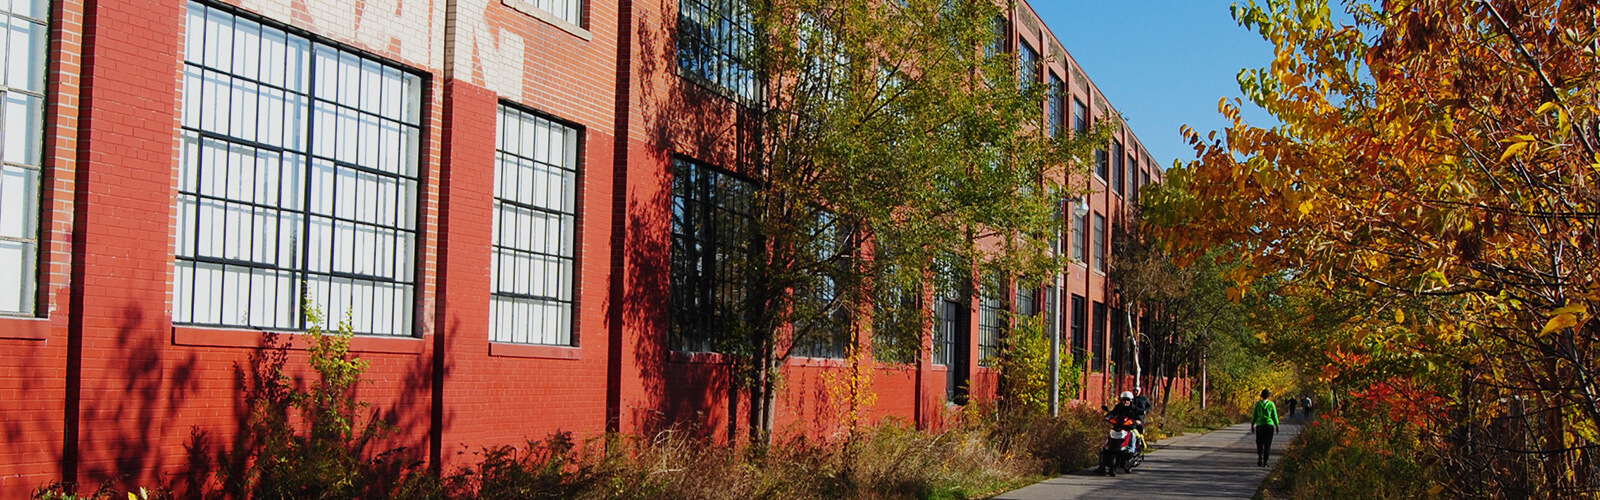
<point x="106" y="491"/>
<point x="1025" y="365"/>
<point x="328" y="451"/>
<point x="1333" y="459"/>
<point x="1183" y="415"/>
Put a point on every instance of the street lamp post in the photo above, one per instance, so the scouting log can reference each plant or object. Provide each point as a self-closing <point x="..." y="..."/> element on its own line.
<point x="1056" y="316"/>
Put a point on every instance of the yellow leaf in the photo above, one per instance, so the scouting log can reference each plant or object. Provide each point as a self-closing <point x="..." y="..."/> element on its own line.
<point x="1513" y="149"/>
<point x="1546" y="108"/>
<point x="132" y="496"/>
<point x="1560" y="321"/>
<point x="1399" y="315"/>
<point x="1575" y="308"/>
<point x="1305" y="207"/>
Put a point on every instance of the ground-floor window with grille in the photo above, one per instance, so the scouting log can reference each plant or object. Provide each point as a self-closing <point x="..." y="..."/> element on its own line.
<point x="991" y="307"/>
<point x="1098" y="338"/>
<point x="713" y="237"/>
<point x="298" y="179"/>
<point x="535" y="220"/>
<point x="822" y="325"/>
<point x="1080" y="326"/>
<point x="21" y="129"/>
<point x="897" y="322"/>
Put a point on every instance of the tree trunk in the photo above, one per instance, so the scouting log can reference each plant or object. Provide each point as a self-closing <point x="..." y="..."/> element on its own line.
<point x="1133" y="338"/>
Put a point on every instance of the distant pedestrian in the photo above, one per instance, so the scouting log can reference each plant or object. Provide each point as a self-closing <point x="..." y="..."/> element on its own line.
<point x="1307" y="404"/>
<point x="1292" y="402"/>
<point x="1264" y="423"/>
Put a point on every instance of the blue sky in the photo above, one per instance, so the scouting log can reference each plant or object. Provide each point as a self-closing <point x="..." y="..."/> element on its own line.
<point x="1162" y="63"/>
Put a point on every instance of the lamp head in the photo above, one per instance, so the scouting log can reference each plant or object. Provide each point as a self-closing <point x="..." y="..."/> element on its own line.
<point x="1083" y="207"/>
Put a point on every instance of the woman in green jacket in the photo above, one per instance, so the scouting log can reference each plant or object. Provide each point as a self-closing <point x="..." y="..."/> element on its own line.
<point x="1264" y="422"/>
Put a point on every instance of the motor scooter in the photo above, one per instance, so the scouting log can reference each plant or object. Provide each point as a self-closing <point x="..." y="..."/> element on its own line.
<point x="1124" y="447"/>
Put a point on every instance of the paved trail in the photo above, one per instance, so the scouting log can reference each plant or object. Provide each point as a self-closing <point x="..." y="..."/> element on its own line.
<point x="1219" y="464"/>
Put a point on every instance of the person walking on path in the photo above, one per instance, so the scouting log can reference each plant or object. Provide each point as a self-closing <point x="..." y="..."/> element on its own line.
<point x="1292" y="401"/>
<point x="1264" y="422"/>
<point x="1305" y="405"/>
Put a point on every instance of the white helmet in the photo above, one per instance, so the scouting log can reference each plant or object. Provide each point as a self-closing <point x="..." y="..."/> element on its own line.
<point x="1127" y="395"/>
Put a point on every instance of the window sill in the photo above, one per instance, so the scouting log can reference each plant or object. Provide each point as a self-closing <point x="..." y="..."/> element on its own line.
<point x="715" y="358"/>
<point x="533" y="351"/>
<point x="24" y="328"/>
<point x="720" y="91"/>
<point x="251" y="339"/>
<point x="802" y="361"/>
<point x="527" y="7"/>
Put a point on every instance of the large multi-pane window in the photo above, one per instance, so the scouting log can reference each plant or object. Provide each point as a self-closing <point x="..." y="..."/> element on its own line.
<point x="991" y="307"/>
<point x="22" y="125"/>
<point x="1133" y="178"/>
<point x="1080" y="325"/>
<point x="297" y="178"/>
<point x="821" y="328"/>
<point x="1099" y="243"/>
<point x="713" y="235"/>
<point x="1100" y="164"/>
<point x="1080" y="238"/>
<point x="1099" y="336"/>
<point x="717" y="45"/>
<point x="1025" y="303"/>
<point x="535" y="220"/>
<point x="896" y="322"/>
<point x="999" y="37"/>
<point x="1058" y="95"/>
<point x="1119" y="340"/>
<point x="1117" y="168"/>
<point x="1080" y="116"/>
<point x="1027" y="66"/>
<point x="1048" y="306"/>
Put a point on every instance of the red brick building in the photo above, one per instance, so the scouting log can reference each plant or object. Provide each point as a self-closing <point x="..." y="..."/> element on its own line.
<point x="486" y="184"/>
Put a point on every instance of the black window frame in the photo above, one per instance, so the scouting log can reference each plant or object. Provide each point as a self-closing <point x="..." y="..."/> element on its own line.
<point x="991" y="320"/>
<point x="507" y="111"/>
<point x="1056" y="113"/>
<point x="1080" y="325"/>
<point x="1028" y="66"/>
<point x="322" y="281"/>
<point x="1098" y="244"/>
<point x="1098" y="337"/>
<point x="719" y="58"/>
<point x="706" y="308"/>
<point x="1118" y="168"/>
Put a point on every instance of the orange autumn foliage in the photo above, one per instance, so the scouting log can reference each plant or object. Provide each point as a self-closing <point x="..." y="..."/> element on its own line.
<point x="1435" y="173"/>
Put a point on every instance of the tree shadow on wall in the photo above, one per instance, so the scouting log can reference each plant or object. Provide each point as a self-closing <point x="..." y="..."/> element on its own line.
<point x="122" y="424"/>
<point x="283" y="441"/>
<point x="679" y="118"/>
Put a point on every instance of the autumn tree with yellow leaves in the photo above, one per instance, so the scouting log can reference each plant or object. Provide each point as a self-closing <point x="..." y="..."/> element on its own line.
<point x="1430" y="199"/>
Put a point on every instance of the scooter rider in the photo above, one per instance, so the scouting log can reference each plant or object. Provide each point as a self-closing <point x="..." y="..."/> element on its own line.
<point x="1111" y="458"/>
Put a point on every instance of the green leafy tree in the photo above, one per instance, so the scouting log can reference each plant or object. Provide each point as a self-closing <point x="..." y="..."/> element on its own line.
<point x="890" y="138"/>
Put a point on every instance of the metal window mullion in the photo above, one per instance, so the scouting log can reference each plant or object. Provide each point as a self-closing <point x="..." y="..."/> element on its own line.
<point x="309" y="143"/>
